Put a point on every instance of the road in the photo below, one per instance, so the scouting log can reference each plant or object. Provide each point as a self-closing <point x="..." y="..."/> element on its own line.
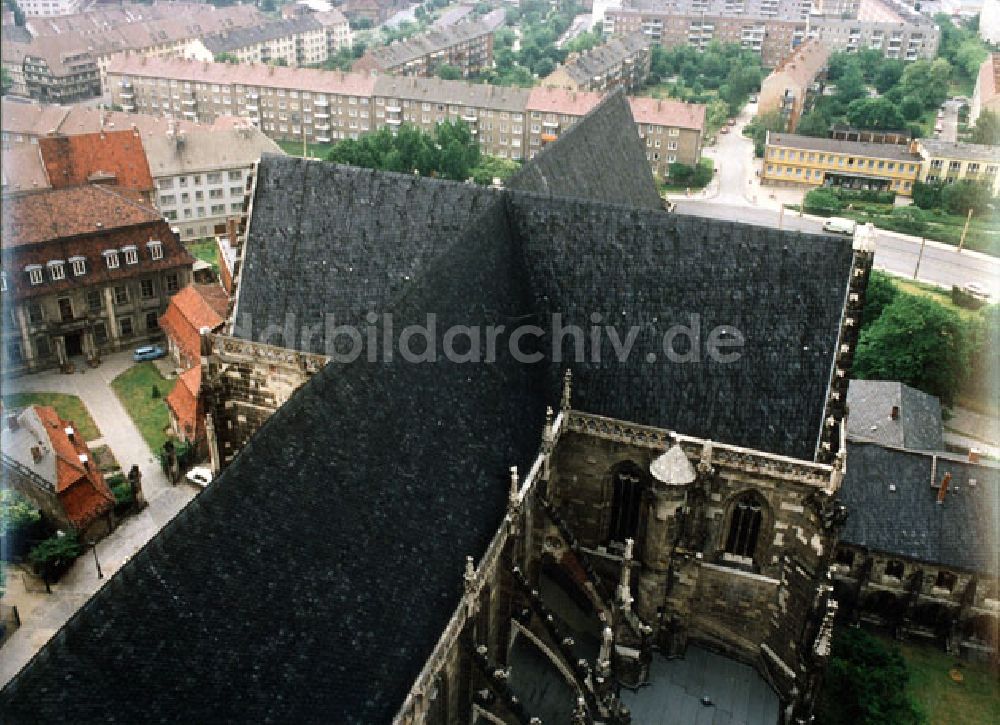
<point x="949" y="121"/>
<point x="736" y="194"/>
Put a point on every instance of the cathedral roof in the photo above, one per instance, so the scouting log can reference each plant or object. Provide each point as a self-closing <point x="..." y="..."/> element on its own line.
<point x="313" y="578"/>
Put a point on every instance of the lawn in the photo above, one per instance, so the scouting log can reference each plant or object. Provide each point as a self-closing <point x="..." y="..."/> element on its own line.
<point x="207" y="251"/>
<point x="148" y="411"/>
<point x="316" y="150"/>
<point x="976" y="699"/>
<point x="69" y="408"/>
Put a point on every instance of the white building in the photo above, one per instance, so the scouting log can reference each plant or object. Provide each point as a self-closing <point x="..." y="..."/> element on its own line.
<point x="989" y="22"/>
<point x="201" y="176"/>
<point x="49" y="7"/>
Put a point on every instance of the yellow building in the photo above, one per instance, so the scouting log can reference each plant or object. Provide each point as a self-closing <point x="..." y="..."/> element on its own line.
<point x="948" y="162"/>
<point x="791" y="160"/>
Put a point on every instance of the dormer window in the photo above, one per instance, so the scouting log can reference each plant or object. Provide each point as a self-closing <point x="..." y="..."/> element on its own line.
<point x="111" y="258"/>
<point x="79" y="265"/>
<point x="131" y="254"/>
<point x="155" y="249"/>
<point x="34" y="273"/>
<point x="57" y="268"/>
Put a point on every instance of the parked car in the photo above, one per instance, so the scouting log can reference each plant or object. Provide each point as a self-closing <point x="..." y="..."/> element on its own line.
<point x="732" y="122"/>
<point x="974" y="289"/>
<point x="148" y="352"/>
<point x="200" y="476"/>
<point x="724" y="129"/>
<point x="839" y="225"/>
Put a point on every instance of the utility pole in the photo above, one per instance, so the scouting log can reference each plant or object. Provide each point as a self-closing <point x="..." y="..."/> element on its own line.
<point x="965" y="229"/>
<point x="781" y="215"/>
<point x="93" y="548"/>
<point x="923" y="241"/>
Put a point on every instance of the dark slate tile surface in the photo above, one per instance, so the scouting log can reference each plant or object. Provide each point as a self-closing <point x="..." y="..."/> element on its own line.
<point x="310" y="582"/>
<point x="342" y="241"/>
<point x="961" y="532"/>
<point x="783" y="292"/>
<point x="599" y="158"/>
<point x="918" y="426"/>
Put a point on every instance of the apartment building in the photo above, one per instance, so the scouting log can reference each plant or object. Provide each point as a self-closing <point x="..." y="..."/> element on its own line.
<point x="294" y="42"/>
<point x="44" y="8"/>
<point x="85" y="271"/>
<point x="787" y="87"/>
<point x="375" y="11"/>
<point x="896" y="30"/>
<point x="327" y="106"/>
<point x="467" y="46"/>
<point x="986" y="96"/>
<point x="948" y="162"/>
<point x="805" y="161"/>
<point x="673" y="132"/>
<point x="337" y="30"/>
<point x="622" y="62"/>
<point x="54" y="69"/>
<point x="201" y="176"/>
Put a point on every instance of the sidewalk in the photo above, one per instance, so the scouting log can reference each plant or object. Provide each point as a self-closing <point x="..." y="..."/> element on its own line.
<point x="43" y="614"/>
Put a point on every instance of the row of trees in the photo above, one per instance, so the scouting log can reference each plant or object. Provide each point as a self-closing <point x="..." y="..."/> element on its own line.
<point x="450" y="152"/>
<point x="727" y="71"/>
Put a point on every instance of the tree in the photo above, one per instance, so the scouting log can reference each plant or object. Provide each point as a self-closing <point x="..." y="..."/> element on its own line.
<point x="874" y="113"/>
<point x="494" y="167"/>
<point x="53" y="555"/>
<point x="851" y="85"/>
<point x="823" y="201"/>
<point x="880" y="294"/>
<point x="927" y="195"/>
<point x="966" y="194"/>
<point x="866" y="683"/>
<point x="813" y="123"/>
<point x="920" y="342"/>
<point x="911" y="108"/>
<point x="987" y="129"/>
<point x="226" y="58"/>
<point x="757" y="129"/>
<point x="888" y="74"/>
<point x="448" y="72"/>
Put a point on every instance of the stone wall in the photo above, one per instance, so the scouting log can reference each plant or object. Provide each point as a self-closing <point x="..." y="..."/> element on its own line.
<point x="244" y="383"/>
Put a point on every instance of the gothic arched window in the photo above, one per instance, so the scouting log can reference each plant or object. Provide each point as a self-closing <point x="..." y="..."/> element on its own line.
<point x="745" y="522"/>
<point x="626" y="502"/>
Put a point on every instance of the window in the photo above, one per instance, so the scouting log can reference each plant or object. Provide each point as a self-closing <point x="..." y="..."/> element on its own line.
<point x="125" y="326"/>
<point x="744" y="525"/>
<point x="111" y="258"/>
<point x="146" y="287"/>
<point x="236" y="175"/>
<point x="57" y="270"/>
<point x="35" y="315"/>
<point x="65" y="309"/>
<point x="79" y="265"/>
<point x="236" y="191"/>
<point x="945" y="580"/>
<point x="214" y="177"/>
<point x="218" y="209"/>
<point x="15" y="355"/>
<point x="121" y="295"/>
<point x="215" y="193"/>
<point x="100" y="332"/>
<point x="894" y="568"/>
<point x="626" y="502"/>
<point x="42" y="347"/>
<point x="94" y="301"/>
<point x="172" y="283"/>
<point x="155" y="249"/>
<point x="34" y="273"/>
<point x="152" y="323"/>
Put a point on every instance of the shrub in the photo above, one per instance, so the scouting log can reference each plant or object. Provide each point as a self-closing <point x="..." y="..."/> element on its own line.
<point x="823" y="201"/>
<point x="20" y="522"/>
<point x="910" y="220"/>
<point x="52" y="556"/>
<point x="881" y="293"/>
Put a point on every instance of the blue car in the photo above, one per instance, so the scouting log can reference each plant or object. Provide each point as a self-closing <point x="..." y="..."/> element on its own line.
<point x="149" y="352"/>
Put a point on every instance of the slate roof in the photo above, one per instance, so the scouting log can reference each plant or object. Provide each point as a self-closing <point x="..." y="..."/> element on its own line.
<point x="229" y="40"/>
<point x="206" y="149"/>
<point x="961" y="532"/>
<point x="611" y="147"/>
<point x="871" y="403"/>
<point x="339" y="581"/>
<point x="604" y="58"/>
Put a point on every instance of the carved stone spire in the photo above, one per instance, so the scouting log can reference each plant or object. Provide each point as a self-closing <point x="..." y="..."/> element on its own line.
<point x="604" y="657"/>
<point x="513" y="498"/>
<point x="625" y="586"/>
<point x="705" y="463"/>
<point x="567" y="391"/>
<point x="548" y="434"/>
<point x="580" y="712"/>
<point x="470" y="573"/>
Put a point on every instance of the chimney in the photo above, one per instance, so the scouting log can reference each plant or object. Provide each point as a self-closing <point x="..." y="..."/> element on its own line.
<point x="973" y="455"/>
<point x="84" y="461"/>
<point x="70" y="433"/>
<point x="943" y="488"/>
<point x="36" y="454"/>
<point x="894" y="414"/>
<point x="12" y="424"/>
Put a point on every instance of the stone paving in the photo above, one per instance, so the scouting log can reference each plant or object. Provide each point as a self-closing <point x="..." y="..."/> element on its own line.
<point x="43" y="614"/>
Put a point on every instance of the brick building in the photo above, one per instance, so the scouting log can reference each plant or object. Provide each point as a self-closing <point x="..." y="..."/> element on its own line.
<point x="620" y="63"/>
<point x="48" y="462"/>
<point x="86" y="270"/>
<point x="787" y="89"/>
<point x="467" y="46"/>
<point x="508" y="533"/>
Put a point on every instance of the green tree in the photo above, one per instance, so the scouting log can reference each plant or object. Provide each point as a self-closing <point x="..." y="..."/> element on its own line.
<point x="911" y="108"/>
<point x="866" y="683"/>
<point x="874" y="113"/>
<point x="887" y="74"/>
<point x="494" y="167"/>
<point x="987" y="128"/>
<point x="226" y="58"/>
<point x="927" y="195"/>
<point x="758" y="128"/>
<point x="919" y="342"/>
<point x="966" y="194"/>
<point x="880" y="294"/>
<point x="823" y="201"/>
<point x="448" y="72"/>
<point x="53" y="555"/>
<point x="813" y="123"/>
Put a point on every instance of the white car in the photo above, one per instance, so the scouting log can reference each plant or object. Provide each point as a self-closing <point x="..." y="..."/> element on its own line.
<point x="200" y="476"/>
<point x="839" y="225"/>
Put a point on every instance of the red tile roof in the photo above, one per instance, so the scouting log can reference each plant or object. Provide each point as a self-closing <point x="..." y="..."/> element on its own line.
<point x="560" y="100"/>
<point x="184" y="404"/>
<point x="190" y="310"/>
<point x="668" y="112"/>
<point x="75" y="160"/>
<point x="81" y="489"/>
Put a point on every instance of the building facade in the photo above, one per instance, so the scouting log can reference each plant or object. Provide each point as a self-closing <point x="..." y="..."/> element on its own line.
<point x="202" y="177"/>
<point x="805" y="161"/>
<point x="946" y="161"/>
<point x="86" y="270"/>
<point x="45" y="8"/>
<point x="986" y="96"/>
<point x="786" y="89"/>
<point x="620" y="63"/>
<point x="295" y="42"/>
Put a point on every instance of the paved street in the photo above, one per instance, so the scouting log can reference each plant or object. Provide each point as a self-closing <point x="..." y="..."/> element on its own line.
<point x="736" y="194"/>
<point x="42" y="614"/>
<point x="949" y="122"/>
